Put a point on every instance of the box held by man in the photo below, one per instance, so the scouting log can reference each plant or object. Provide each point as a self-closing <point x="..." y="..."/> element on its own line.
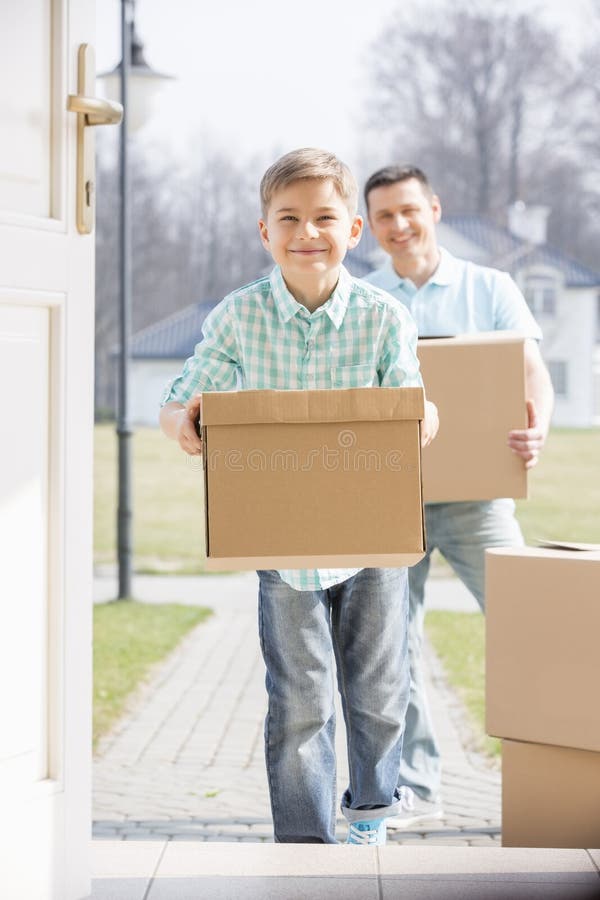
<point x="477" y="382"/>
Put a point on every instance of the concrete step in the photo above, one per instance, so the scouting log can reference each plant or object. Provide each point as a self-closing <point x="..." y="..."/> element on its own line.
<point x="132" y="870"/>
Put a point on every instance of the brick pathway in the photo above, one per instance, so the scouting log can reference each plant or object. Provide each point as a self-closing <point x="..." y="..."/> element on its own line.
<point x="187" y="762"/>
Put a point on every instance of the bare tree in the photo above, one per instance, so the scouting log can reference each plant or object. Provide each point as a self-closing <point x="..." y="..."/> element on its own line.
<point x="468" y="91"/>
<point x="194" y="240"/>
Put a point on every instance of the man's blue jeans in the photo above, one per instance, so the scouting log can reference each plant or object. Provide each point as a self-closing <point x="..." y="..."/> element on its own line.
<point x="360" y="628"/>
<point x="461" y="532"/>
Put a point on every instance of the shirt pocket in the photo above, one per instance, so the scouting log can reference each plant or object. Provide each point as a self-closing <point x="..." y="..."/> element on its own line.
<point x="353" y="376"/>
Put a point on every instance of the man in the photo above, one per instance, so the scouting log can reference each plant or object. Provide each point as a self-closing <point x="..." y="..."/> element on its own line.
<point x="447" y="295"/>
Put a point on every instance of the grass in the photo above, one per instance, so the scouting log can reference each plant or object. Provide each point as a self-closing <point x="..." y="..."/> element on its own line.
<point x="168" y="498"/>
<point x="129" y="638"/>
<point x="564" y="489"/>
<point x="459" y="642"/>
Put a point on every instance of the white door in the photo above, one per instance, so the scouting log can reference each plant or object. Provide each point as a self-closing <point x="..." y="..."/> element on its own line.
<point x="46" y="373"/>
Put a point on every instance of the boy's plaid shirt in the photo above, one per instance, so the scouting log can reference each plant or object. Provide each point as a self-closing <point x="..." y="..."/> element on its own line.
<point x="259" y="337"/>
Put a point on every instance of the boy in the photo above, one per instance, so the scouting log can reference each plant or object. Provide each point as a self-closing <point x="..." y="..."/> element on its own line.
<point x="309" y="324"/>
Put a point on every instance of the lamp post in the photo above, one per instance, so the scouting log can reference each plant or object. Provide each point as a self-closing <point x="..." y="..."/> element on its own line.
<point x="138" y="84"/>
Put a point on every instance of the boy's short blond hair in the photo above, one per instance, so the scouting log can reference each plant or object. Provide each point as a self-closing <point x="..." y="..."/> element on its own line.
<point x="307" y="163"/>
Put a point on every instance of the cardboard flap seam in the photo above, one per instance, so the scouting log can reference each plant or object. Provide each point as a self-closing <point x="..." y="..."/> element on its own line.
<point x="312" y="406"/>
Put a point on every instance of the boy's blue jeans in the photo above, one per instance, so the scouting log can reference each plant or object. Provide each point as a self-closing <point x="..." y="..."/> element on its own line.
<point x="362" y="624"/>
<point x="461" y="532"/>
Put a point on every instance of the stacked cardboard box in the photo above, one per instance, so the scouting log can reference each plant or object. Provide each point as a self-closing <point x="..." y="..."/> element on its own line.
<point x="477" y="382"/>
<point x="303" y="479"/>
<point x="543" y="692"/>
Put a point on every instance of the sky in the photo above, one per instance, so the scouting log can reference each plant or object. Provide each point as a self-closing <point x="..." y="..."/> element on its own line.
<point x="262" y="77"/>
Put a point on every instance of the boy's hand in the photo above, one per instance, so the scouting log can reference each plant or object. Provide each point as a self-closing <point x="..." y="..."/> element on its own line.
<point x="187" y="435"/>
<point x="528" y="442"/>
<point x="430" y="425"/>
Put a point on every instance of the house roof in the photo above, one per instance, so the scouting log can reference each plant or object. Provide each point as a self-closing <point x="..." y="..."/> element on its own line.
<point x="502" y="249"/>
<point x="174" y="337"/>
<point x="512" y="253"/>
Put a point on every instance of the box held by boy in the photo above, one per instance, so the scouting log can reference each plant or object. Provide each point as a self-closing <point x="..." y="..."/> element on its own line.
<point x="315" y="478"/>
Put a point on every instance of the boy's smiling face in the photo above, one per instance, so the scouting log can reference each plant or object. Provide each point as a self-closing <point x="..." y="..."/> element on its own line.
<point x="307" y="230"/>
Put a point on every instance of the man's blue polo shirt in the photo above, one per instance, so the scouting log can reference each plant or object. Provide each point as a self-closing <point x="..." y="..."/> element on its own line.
<point x="460" y="297"/>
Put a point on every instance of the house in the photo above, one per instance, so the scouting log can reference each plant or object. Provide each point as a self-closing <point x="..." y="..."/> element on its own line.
<point x="157" y="355"/>
<point x="562" y="294"/>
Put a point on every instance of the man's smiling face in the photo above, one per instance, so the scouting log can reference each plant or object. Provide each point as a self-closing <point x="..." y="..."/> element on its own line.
<point x="403" y="216"/>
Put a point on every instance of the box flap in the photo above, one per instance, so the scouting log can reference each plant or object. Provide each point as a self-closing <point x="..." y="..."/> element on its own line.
<point x="364" y="404"/>
<point x="477" y="337"/>
<point x="567" y="545"/>
<point x="341" y="561"/>
<point x="584" y="553"/>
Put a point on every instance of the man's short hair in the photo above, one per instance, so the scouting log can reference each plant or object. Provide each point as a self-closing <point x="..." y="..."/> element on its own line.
<point x="309" y="163"/>
<point x="392" y="175"/>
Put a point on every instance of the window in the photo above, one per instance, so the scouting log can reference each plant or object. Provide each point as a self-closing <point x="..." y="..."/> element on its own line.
<point x="541" y="293"/>
<point x="558" y="374"/>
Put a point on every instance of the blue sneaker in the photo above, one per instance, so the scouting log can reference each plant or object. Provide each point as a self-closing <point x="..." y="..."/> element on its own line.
<point x="371" y="832"/>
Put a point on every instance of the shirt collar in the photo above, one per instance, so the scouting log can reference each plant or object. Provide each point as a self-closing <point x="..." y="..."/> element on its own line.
<point x="335" y="307"/>
<point x="444" y="274"/>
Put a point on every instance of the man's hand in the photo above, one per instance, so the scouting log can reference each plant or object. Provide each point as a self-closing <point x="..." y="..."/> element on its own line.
<point x="430" y="425"/>
<point x="187" y="436"/>
<point x="529" y="441"/>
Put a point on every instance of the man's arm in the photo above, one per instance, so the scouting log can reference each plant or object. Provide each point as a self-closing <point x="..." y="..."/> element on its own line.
<point x="528" y="442"/>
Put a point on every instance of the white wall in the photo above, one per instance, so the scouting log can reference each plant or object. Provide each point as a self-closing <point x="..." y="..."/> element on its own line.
<point x="147" y="381"/>
<point x="571" y="337"/>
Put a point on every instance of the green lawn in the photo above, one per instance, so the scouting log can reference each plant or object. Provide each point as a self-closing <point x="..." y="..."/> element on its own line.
<point x="168" y="497"/>
<point x="459" y="642"/>
<point x="129" y="638"/>
<point x="564" y="495"/>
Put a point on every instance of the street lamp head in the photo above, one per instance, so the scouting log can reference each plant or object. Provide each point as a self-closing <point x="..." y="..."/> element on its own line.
<point x="144" y="83"/>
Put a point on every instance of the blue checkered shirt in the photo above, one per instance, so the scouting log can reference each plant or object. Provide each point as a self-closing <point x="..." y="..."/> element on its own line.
<point x="259" y="337"/>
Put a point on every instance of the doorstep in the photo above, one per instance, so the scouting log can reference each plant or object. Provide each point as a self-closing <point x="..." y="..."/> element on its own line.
<point x="163" y="870"/>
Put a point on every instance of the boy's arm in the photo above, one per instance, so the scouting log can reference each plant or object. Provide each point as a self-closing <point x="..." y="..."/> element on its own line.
<point x="213" y="367"/>
<point x="528" y="442"/>
<point x="431" y="423"/>
<point x="178" y="422"/>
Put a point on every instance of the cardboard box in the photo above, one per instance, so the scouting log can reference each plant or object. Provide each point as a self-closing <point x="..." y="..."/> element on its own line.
<point x="550" y="796"/>
<point x="477" y="382"/>
<point x="542" y="640"/>
<point x="305" y="479"/>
